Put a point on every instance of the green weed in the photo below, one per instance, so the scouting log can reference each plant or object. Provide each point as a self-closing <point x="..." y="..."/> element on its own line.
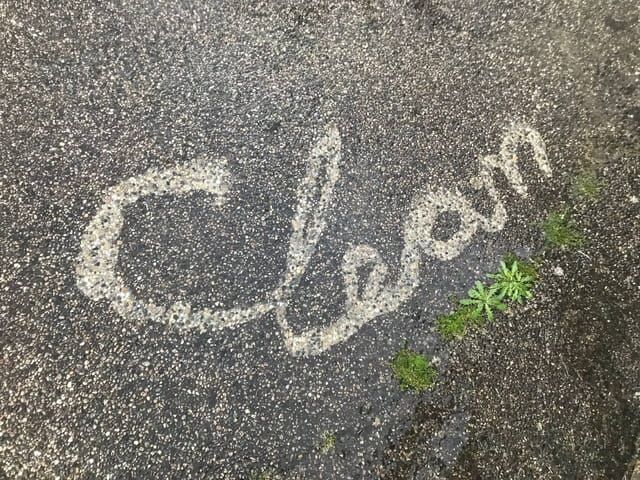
<point x="484" y="300"/>
<point x="512" y="283"/>
<point x="527" y="267"/>
<point x="561" y="231"/>
<point x="413" y="371"/>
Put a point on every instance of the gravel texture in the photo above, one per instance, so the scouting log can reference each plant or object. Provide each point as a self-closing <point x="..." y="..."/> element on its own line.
<point x="162" y="162"/>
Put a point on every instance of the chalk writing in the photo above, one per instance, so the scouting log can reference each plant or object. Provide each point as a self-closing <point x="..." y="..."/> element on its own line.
<point x="98" y="279"/>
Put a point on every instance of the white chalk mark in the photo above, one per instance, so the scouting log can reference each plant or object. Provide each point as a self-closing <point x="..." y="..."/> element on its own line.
<point x="314" y="199"/>
<point x="96" y="269"/>
<point x="378" y="299"/>
<point x="518" y="134"/>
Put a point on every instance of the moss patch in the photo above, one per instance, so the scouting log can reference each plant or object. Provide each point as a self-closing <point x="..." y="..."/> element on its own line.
<point x="328" y="442"/>
<point x="587" y="185"/>
<point x="413" y="371"/>
<point x="455" y="325"/>
<point x="561" y="231"/>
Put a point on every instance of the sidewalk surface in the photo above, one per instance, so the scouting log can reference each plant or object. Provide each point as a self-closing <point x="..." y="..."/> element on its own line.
<point x="220" y="220"/>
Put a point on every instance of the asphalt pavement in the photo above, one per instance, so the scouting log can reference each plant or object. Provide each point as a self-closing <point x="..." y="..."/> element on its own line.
<point x="221" y="220"/>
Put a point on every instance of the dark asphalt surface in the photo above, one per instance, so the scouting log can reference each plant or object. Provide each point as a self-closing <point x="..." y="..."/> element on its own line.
<point x="419" y="94"/>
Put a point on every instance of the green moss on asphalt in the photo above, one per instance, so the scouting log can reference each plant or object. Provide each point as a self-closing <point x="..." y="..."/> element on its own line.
<point x="455" y="325"/>
<point x="587" y="185"/>
<point x="413" y="371"/>
<point x="328" y="442"/>
<point x="561" y="231"/>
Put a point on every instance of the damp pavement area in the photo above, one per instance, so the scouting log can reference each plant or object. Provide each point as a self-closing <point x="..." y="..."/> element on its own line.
<point x="221" y="220"/>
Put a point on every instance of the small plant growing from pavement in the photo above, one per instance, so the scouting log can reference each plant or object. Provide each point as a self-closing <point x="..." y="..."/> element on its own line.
<point x="561" y="231"/>
<point x="512" y="283"/>
<point x="484" y="300"/>
<point x="527" y="267"/>
<point x="455" y="325"/>
<point x="586" y="185"/>
<point x="328" y="442"/>
<point x="413" y="371"/>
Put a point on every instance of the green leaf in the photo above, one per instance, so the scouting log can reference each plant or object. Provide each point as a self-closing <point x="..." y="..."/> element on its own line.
<point x="489" y="313"/>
